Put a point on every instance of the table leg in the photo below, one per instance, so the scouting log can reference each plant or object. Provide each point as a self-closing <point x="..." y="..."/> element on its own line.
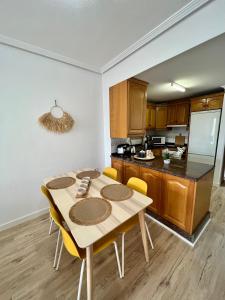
<point x="89" y="258"/>
<point x="141" y="216"/>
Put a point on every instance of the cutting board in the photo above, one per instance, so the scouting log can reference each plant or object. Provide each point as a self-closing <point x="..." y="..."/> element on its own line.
<point x="179" y="140"/>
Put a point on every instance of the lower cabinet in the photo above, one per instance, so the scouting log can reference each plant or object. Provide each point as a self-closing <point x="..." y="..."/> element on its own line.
<point x="178" y="195"/>
<point x="180" y="201"/>
<point x="118" y="165"/>
<point x="130" y="170"/>
<point x="154" y="181"/>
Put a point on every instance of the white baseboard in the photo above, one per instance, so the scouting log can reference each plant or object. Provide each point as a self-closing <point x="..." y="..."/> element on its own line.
<point x="22" y="219"/>
<point x="192" y="244"/>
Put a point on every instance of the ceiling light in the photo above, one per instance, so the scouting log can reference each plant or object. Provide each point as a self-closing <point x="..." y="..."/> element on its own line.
<point x="178" y="87"/>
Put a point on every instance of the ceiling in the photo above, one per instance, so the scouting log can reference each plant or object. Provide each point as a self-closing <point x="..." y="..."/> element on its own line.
<point x="89" y="31"/>
<point x="199" y="70"/>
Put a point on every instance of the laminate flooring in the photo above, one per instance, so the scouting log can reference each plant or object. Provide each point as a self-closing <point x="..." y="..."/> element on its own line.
<point x="175" y="272"/>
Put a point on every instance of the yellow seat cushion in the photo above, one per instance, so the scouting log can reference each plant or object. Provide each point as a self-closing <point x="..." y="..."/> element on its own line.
<point x="97" y="247"/>
<point x="104" y="242"/>
<point x="128" y="225"/>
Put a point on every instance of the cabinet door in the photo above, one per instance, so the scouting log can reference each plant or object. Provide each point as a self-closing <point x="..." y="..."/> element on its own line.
<point x="215" y="102"/>
<point x="161" y="117"/>
<point x="130" y="170"/>
<point x="207" y="102"/>
<point x="118" y="110"/>
<point x="172" y="114"/>
<point x="178" y="195"/>
<point x="147" y="116"/>
<point x="118" y="165"/>
<point x="150" y="117"/>
<point x="154" y="182"/>
<point x="137" y="101"/>
<point x="198" y="104"/>
<point x="183" y="112"/>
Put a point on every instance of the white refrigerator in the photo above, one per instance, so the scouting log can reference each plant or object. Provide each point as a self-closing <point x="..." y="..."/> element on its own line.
<point x="203" y="136"/>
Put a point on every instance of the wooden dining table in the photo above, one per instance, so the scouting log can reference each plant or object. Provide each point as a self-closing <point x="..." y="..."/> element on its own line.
<point x="86" y="236"/>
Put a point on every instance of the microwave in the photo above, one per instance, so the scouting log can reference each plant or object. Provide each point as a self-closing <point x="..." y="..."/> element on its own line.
<point x="158" y="140"/>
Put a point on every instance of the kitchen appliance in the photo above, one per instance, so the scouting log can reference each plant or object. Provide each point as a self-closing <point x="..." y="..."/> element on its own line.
<point x="123" y="149"/>
<point x="158" y="140"/>
<point x="203" y="136"/>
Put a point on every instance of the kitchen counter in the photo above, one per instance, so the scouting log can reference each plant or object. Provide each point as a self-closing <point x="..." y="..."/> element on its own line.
<point x="181" y="168"/>
<point x="167" y="145"/>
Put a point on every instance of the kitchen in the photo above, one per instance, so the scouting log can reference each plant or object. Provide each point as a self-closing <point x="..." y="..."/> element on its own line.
<point x="168" y="138"/>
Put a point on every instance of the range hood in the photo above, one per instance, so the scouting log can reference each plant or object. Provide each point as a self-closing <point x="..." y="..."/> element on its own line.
<point x="176" y="125"/>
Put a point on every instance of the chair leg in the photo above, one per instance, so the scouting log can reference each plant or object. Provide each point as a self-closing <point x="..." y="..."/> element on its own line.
<point x="149" y="236"/>
<point x="81" y="279"/>
<point x="50" y="228"/>
<point x="117" y="258"/>
<point x="123" y="252"/>
<point x="60" y="254"/>
<point x="56" y="249"/>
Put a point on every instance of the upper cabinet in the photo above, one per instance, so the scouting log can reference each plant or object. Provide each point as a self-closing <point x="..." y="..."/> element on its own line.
<point x="128" y="101"/>
<point x="161" y="117"/>
<point x="207" y="102"/>
<point x="178" y="113"/>
<point x="150" y="116"/>
<point x="172" y="114"/>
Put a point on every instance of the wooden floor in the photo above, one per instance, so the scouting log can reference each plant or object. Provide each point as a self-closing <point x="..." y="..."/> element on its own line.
<point x="176" y="271"/>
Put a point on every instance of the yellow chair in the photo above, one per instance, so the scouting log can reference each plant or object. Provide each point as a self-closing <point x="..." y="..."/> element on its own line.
<point x="110" y="172"/>
<point x="52" y="206"/>
<point x="70" y="244"/>
<point x="141" y="187"/>
<point x="74" y="250"/>
<point x="54" y="215"/>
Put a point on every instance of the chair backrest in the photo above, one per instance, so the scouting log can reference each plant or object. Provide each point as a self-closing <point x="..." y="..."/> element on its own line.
<point x="67" y="239"/>
<point x="138" y="185"/>
<point x="46" y="192"/>
<point x="110" y="172"/>
<point x="69" y="243"/>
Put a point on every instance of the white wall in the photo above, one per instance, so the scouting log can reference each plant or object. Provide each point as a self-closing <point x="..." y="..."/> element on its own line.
<point x="199" y="27"/>
<point x="28" y="85"/>
<point x="219" y="168"/>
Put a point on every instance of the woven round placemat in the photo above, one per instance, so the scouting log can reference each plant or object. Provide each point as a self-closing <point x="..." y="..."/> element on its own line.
<point x="92" y="174"/>
<point x="90" y="211"/>
<point x="116" y="192"/>
<point x="60" y="183"/>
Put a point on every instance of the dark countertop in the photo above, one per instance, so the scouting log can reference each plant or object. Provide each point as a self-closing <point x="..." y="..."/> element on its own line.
<point x="167" y="145"/>
<point x="181" y="168"/>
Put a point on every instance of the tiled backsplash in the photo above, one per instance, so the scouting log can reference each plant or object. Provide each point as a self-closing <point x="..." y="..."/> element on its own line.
<point x="116" y="142"/>
<point x="169" y="134"/>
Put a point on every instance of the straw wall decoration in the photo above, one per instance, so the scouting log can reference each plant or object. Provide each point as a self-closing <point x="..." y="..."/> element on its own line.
<point x="56" y="120"/>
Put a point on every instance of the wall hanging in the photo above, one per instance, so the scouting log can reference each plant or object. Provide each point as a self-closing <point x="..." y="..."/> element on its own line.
<point x="57" y="120"/>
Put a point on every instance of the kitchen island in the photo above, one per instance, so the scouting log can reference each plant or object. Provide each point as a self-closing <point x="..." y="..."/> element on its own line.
<point x="181" y="191"/>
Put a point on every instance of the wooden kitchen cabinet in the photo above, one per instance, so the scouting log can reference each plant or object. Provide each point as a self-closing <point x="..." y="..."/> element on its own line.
<point x="154" y="181"/>
<point x="161" y="116"/>
<point x="207" y="102"/>
<point x="128" y="100"/>
<point x="150" y="116"/>
<point x="183" y="113"/>
<point x="178" y="113"/>
<point x="130" y="170"/>
<point x="118" y="165"/>
<point x="171" y="114"/>
<point x="178" y="201"/>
